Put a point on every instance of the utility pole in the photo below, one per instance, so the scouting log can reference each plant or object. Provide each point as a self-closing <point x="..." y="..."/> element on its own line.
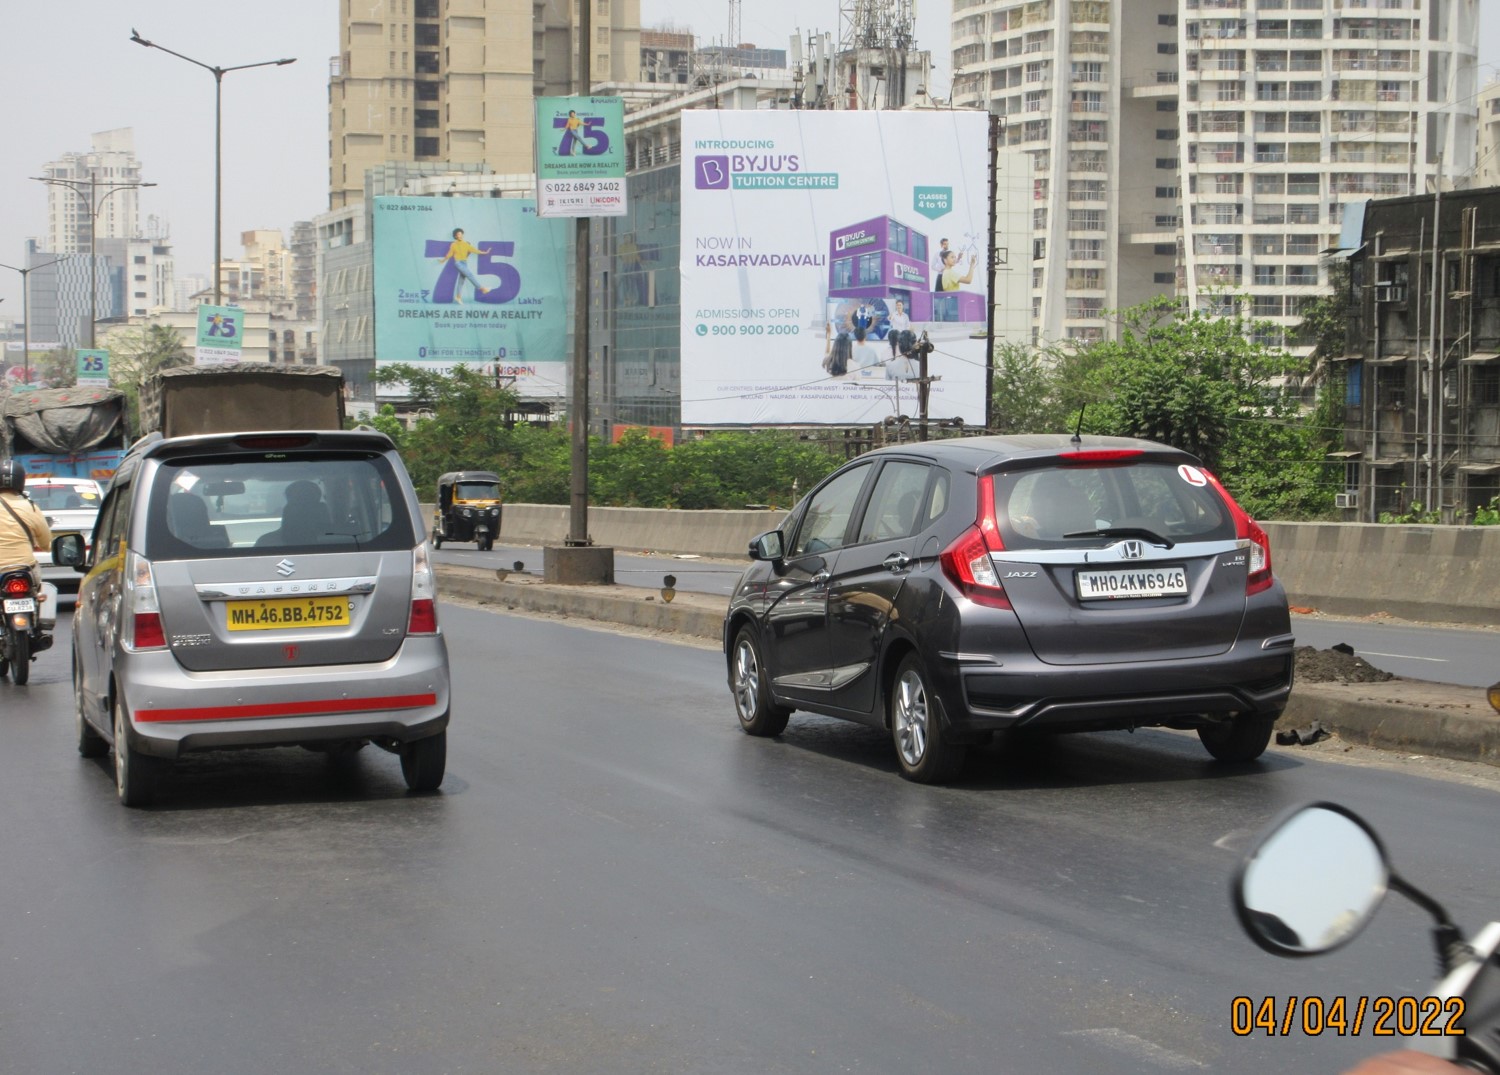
<point x="578" y="501"/>
<point x="997" y="132"/>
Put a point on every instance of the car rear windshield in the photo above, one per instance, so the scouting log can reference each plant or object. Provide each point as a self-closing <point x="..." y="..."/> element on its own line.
<point x="62" y="496"/>
<point x="312" y="502"/>
<point x="1076" y="505"/>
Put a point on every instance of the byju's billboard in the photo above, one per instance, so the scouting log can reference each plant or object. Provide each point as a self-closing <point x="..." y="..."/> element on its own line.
<point x="815" y="247"/>
<point x="474" y="281"/>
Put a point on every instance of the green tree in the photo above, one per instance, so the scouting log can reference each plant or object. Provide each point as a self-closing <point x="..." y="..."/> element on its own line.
<point x="135" y="355"/>
<point x="463" y="425"/>
<point x="1202" y="380"/>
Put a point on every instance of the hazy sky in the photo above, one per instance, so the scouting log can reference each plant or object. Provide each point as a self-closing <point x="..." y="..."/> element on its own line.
<point x="70" y="69"/>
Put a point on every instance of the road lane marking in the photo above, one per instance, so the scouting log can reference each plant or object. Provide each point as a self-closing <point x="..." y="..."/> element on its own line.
<point x="1402" y="656"/>
<point x="1114" y="1038"/>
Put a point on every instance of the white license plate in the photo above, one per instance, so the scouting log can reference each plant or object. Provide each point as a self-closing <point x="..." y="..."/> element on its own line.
<point x="20" y="604"/>
<point x="1120" y="583"/>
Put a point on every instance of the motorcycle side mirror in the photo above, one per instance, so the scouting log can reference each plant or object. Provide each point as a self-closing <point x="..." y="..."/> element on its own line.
<point x="68" y="550"/>
<point x="1311" y="882"/>
<point x="768" y="546"/>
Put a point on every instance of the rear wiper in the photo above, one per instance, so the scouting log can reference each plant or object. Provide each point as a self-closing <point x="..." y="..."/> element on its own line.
<point x="1124" y="532"/>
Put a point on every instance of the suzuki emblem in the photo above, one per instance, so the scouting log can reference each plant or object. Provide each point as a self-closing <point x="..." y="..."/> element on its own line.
<point x="286" y="567"/>
<point x="1132" y="550"/>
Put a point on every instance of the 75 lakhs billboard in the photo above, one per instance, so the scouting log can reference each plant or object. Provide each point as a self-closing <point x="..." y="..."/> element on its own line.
<point x="474" y="281"/>
<point x="816" y="248"/>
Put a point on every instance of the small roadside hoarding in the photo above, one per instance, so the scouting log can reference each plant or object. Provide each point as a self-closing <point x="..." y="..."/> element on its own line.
<point x="221" y="332"/>
<point x="580" y="156"/>
<point x="93" y="367"/>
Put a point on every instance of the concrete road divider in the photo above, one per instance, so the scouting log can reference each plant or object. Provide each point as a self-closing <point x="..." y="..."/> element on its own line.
<point x="1406" y="715"/>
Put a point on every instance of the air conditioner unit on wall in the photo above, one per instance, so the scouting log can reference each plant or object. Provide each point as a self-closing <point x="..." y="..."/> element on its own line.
<point x="1346" y="500"/>
<point x="1383" y="292"/>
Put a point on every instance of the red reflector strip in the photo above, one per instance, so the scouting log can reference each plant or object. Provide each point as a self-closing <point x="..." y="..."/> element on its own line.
<point x="326" y="707"/>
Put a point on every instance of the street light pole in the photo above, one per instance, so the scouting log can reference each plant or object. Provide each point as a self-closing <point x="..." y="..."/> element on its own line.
<point x="95" y="203"/>
<point x="218" y="73"/>
<point x="26" y="309"/>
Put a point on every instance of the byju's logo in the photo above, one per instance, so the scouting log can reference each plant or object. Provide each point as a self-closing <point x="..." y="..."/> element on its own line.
<point x="711" y="173"/>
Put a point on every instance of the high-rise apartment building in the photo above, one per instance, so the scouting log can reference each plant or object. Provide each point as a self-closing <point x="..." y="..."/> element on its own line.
<point x="1183" y="145"/>
<point x="453" y="80"/>
<point x="71" y="219"/>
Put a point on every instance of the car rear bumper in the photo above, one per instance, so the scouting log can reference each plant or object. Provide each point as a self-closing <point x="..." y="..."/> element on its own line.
<point x="174" y="711"/>
<point x="982" y="696"/>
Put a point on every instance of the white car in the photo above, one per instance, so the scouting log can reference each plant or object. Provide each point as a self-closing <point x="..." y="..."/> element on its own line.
<point x="67" y="504"/>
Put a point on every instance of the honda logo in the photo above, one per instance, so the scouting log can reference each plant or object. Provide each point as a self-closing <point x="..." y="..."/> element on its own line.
<point x="1132" y="550"/>
<point x="285" y="568"/>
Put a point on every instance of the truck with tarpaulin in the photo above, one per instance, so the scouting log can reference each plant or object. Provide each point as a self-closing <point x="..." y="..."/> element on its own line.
<point x="73" y="432"/>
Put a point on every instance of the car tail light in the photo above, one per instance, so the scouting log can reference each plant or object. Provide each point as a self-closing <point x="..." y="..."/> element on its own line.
<point x="1100" y="455"/>
<point x="1251" y="536"/>
<point x="142" y="627"/>
<point x="276" y="442"/>
<point x="18" y="585"/>
<point x="967" y="561"/>
<point x="423" y="619"/>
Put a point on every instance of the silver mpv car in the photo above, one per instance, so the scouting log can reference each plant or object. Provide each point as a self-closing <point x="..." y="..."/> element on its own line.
<point x="257" y="590"/>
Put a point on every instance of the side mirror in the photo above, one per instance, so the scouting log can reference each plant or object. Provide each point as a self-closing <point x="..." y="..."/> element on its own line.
<point x="1312" y="882"/>
<point x="69" y="550"/>
<point x="768" y="546"/>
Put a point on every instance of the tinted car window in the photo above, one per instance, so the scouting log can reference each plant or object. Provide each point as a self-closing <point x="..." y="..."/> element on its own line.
<point x="895" y="503"/>
<point x="826" y="519"/>
<point x="1041" y="507"/>
<point x="323" y="503"/>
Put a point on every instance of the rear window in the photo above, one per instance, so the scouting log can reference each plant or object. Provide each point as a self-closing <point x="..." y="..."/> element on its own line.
<point x="297" y="503"/>
<point x="63" y="496"/>
<point x="1041" y="507"/>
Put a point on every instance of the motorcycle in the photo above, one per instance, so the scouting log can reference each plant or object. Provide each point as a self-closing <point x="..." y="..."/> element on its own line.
<point x="1314" y="880"/>
<point x="29" y="619"/>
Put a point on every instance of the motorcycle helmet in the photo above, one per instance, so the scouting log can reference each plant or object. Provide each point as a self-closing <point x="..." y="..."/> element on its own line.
<point x="12" y="475"/>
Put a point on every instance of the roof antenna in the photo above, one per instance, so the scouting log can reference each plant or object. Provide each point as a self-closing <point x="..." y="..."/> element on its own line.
<point x="1077" y="440"/>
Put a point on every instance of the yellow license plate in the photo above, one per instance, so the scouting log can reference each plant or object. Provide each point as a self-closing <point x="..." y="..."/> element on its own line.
<point x="283" y="613"/>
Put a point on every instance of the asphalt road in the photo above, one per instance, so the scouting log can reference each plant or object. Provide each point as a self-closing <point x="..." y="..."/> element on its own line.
<point x="615" y="879"/>
<point x="1466" y="656"/>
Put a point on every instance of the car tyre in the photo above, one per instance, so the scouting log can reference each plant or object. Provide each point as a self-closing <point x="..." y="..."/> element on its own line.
<point x="90" y="743"/>
<point x="922" y="747"/>
<point x="137" y="775"/>
<point x="1239" y="740"/>
<point x="752" y="689"/>
<point x="424" y="761"/>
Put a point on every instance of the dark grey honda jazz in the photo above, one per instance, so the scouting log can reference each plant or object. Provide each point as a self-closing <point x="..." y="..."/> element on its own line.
<point x="950" y="590"/>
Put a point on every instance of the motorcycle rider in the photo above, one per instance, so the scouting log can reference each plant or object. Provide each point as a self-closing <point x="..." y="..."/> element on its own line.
<point x="23" y="528"/>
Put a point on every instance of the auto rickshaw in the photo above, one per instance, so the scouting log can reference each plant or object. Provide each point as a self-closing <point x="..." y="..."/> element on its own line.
<point x="468" y="508"/>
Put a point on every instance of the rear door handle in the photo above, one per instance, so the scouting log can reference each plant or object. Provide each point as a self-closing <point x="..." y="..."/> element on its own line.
<point x="897" y="562"/>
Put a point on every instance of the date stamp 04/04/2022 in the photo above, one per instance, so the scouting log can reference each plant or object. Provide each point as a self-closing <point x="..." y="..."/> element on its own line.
<point x="1393" y="1016"/>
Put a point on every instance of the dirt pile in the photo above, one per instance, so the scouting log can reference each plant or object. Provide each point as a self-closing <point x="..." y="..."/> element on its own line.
<point x="1334" y="666"/>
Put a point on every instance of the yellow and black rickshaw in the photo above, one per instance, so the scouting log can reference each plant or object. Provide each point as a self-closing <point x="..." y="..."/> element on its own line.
<point x="468" y="508"/>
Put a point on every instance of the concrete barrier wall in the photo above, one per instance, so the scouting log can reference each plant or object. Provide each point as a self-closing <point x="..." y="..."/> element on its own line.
<point x="1432" y="573"/>
<point x="723" y="534"/>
